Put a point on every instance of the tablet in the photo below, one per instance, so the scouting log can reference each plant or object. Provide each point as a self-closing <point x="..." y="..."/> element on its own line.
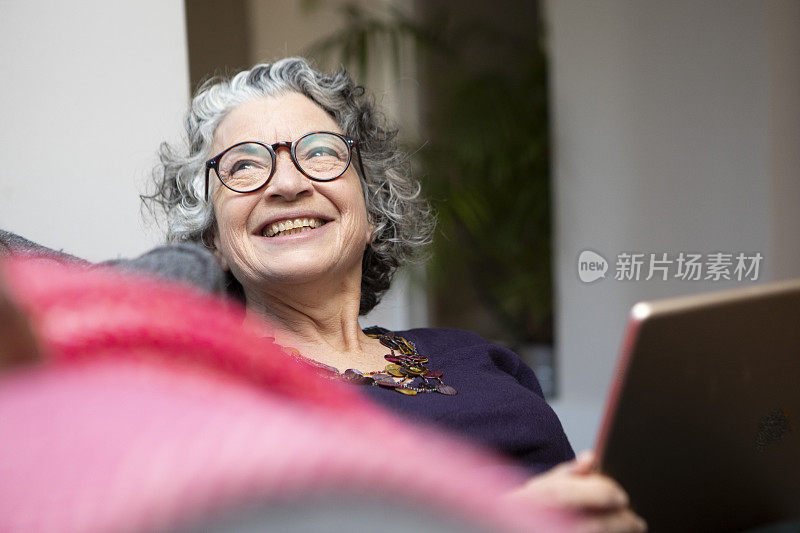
<point x="702" y="424"/>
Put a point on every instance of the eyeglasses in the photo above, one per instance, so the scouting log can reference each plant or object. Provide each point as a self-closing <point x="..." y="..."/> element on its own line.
<point x="247" y="166"/>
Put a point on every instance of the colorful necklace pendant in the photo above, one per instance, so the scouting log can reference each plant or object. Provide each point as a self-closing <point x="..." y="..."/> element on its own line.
<point x="406" y="372"/>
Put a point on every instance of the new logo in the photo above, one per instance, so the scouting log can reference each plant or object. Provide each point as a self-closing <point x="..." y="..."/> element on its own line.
<point x="591" y="266"/>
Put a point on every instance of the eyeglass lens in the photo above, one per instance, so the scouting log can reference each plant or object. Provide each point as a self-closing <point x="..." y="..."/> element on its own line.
<point x="248" y="166"/>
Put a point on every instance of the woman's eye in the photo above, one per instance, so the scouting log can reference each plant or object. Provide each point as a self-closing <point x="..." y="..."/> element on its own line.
<point x="243" y="164"/>
<point x="322" y="151"/>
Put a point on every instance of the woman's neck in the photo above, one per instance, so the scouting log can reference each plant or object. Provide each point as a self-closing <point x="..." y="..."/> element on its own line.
<point x="321" y="324"/>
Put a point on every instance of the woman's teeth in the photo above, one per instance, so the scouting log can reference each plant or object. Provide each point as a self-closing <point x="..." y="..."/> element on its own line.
<point x="290" y="227"/>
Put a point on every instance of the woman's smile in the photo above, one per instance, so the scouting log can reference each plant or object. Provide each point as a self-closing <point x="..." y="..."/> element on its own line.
<point x="288" y="227"/>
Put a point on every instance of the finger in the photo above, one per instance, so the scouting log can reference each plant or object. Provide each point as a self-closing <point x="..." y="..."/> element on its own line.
<point x="583" y="462"/>
<point x="600" y="493"/>
<point x="625" y="521"/>
<point x="591" y="492"/>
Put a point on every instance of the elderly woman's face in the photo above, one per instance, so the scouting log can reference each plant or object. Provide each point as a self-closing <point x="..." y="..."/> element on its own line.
<point x="333" y="213"/>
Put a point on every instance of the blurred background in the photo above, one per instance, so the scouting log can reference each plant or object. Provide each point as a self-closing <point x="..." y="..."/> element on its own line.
<point x="539" y="130"/>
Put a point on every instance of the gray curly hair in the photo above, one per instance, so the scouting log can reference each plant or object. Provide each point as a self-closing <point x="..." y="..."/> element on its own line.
<point x="402" y="219"/>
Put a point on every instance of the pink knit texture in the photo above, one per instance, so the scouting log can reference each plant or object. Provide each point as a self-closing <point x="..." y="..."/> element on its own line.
<point x="155" y="407"/>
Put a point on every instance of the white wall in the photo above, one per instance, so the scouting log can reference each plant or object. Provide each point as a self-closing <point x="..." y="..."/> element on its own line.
<point x="675" y="129"/>
<point x="89" y="90"/>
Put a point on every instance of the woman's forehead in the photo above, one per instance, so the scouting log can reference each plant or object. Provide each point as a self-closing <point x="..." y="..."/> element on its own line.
<point x="272" y="119"/>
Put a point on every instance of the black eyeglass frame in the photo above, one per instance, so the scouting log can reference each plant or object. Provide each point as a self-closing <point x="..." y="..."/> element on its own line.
<point x="213" y="163"/>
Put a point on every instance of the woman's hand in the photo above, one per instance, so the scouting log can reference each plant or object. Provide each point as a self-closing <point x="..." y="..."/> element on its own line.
<point x="597" y="502"/>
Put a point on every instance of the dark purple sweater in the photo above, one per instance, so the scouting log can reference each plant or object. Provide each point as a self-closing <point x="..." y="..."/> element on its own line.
<point x="499" y="402"/>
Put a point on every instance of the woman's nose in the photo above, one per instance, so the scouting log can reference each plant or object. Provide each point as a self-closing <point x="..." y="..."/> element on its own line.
<point x="287" y="182"/>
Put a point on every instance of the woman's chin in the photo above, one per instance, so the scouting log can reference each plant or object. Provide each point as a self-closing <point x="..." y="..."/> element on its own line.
<point x="287" y="271"/>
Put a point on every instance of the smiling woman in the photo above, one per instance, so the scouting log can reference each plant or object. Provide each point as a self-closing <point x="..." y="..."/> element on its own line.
<point x="402" y="221"/>
<point x="283" y="194"/>
<point x="290" y="177"/>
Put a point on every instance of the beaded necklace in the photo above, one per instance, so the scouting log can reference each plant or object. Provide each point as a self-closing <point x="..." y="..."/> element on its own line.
<point x="406" y="372"/>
